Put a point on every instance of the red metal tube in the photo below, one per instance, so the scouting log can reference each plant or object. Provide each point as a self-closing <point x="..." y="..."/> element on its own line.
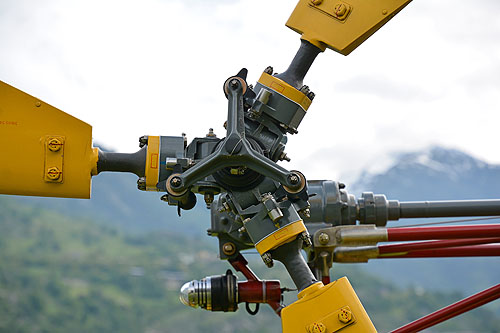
<point x="255" y="290"/>
<point x="489" y="250"/>
<point x="452" y="310"/>
<point x="406" y="247"/>
<point x="447" y="232"/>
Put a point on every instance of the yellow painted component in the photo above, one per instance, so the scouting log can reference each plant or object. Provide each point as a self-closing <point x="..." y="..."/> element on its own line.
<point x="152" y="163"/>
<point x="334" y="306"/>
<point x="54" y="157"/>
<point x="44" y="151"/>
<point x="280" y="236"/>
<point x="285" y="89"/>
<point x="341" y="25"/>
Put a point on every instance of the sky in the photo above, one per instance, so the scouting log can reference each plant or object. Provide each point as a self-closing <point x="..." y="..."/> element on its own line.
<point x="431" y="76"/>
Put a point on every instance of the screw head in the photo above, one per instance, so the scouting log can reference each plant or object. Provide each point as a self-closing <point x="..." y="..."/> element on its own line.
<point x="340" y="9"/>
<point x="345" y="315"/>
<point x="294" y="179"/>
<point x="267" y="259"/>
<point x="53" y="173"/>
<point x="316" y="2"/>
<point x="269" y="70"/>
<point x="143" y="140"/>
<point x="323" y="238"/>
<point x="141" y="184"/>
<point x="228" y="248"/>
<point x="54" y="144"/>
<point x="234" y="83"/>
<point x="175" y="181"/>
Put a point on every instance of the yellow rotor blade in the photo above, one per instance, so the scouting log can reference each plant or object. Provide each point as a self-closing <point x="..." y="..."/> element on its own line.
<point x="342" y="25"/>
<point x="44" y="151"/>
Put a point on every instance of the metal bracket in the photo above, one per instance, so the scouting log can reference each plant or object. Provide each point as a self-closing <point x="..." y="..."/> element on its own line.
<point x="54" y="159"/>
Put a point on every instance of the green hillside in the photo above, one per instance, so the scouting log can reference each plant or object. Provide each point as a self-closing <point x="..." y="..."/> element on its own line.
<point x="61" y="274"/>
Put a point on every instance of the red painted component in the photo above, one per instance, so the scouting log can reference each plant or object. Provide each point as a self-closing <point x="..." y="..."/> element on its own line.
<point x="259" y="291"/>
<point x="255" y="290"/>
<point x="488" y="250"/>
<point x="447" y="232"/>
<point x="325" y="280"/>
<point x="405" y="247"/>
<point x="241" y="265"/>
<point x="452" y="310"/>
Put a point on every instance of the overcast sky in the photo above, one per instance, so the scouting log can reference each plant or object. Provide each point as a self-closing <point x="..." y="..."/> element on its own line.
<point x="128" y="68"/>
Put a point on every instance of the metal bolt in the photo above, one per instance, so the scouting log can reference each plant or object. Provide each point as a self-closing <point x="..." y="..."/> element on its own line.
<point x="269" y="70"/>
<point x="143" y="140"/>
<point x="305" y="90"/>
<point x="175" y="181"/>
<point x="345" y="315"/>
<point x="316" y="328"/>
<point x="284" y="157"/>
<point x="141" y="183"/>
<point x="209" y="198"/>
<point x="211" y="133"/>
<point x="311" y="95"/>
<point x="307" y="212"/>
<point x="294" y="179"/>
<point x="53" y="173"/>
<point x="316" y="2"/>
<point x="340" y="9"/>
<point x="38" y="104"/>
<point x="306" y="239"/>
<point x="323" y="238"/>
<point x="341" y="186"/>
<point x="225" y="207"/>
<point x="234" y="83"/>
<point x="384" y="12"/>
<point x="228" y="248"/>
<point x="267" y="259"/>
<point x="54" y="144"/>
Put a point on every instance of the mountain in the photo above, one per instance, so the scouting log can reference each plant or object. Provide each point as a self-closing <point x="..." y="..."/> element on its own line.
<point x="433" y="174"/>
<point x="436" y="173"/>
<point x="64" y="274"/>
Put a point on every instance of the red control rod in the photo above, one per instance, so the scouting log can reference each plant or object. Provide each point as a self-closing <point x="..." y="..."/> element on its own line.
<point x="448" y="232"/>
<point x="452" y="310"/>
<point x="486" y="250"/>
<point x="406" y="247"/>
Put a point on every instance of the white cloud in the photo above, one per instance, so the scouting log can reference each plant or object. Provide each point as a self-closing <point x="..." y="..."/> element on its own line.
<point x="156" y="67"/>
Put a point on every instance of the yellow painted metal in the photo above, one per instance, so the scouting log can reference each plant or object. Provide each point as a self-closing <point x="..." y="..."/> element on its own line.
<point x="54" y="158"/>
<point x="44" y="151"/>
<point x="331" y="308"/>
<point x="341" y="25"/>
<point x="285" y="89"/>
<point x="280" y="236"/>
<point x="152" y="163"/>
